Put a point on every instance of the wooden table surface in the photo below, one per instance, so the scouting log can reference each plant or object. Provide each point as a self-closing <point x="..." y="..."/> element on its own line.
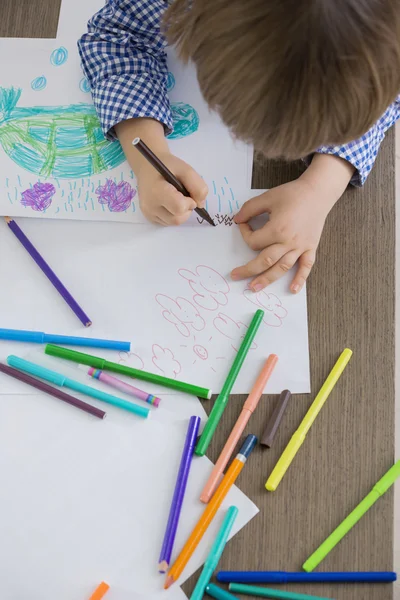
<point x="350" y="303"/>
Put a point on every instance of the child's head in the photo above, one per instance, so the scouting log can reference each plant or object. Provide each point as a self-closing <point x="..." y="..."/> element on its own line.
<point x="291" y="75"/>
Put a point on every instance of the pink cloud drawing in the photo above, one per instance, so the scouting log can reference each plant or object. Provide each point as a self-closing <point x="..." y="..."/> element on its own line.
<point x="131" y="359"/>
<point x="275" y="312"/>
<point x="182" y="314"/>
<point x="163" y="359"/>
<point x="209" y="287"/>
<point x="233" y="330"/>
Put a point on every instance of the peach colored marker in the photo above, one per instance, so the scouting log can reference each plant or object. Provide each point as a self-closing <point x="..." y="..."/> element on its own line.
<point x="248" y="408"/>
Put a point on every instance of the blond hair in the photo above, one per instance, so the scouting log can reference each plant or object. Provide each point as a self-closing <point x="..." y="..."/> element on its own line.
<point x="291" y="75"/>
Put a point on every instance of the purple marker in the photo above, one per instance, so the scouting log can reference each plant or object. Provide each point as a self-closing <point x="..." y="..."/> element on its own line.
<point x="179" y="494"/>
<point x="124" y="387"/>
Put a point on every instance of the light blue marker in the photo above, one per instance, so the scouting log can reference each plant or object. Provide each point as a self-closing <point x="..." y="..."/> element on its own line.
<point x="38" y="337"/>
<point x="62" y="381"/>
<point x="215" y="553"/>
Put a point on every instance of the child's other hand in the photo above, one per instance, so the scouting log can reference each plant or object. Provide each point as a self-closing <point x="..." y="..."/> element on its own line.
<point x="297" y="214"/>
<point x="160" y="202"/>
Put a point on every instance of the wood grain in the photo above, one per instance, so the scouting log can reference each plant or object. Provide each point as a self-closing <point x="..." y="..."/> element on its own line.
<point x="350" y="303"/>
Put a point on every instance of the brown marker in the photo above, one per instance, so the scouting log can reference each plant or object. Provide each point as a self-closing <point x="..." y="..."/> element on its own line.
<point x="268" y="436"/>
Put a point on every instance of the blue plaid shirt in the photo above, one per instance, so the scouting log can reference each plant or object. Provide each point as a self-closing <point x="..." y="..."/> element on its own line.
<point x="123" y="57"/>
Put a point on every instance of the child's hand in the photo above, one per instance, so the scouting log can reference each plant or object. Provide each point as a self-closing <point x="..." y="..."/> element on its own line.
<point x="160" y="201"/>
<point x="297" y="213"/>
<point x="297" y="217"/>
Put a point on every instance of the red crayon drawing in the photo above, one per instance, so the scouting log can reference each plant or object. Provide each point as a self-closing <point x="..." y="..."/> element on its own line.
<point x="131" y="359"/>
<point x="164" y="360"/>
<point x="182" y="314"/>
<point x="234" y="331"/>
<point x="209" y="287"/>
<point x="275" y="312"/>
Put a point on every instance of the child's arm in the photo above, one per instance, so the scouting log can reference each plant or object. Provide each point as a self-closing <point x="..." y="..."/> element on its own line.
<point x="298" y="209"/>
<point x="123" y="57"/>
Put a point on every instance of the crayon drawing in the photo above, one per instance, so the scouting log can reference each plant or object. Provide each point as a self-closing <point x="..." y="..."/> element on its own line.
<point x="64" y="141"/>
<point x="38" y="197"/>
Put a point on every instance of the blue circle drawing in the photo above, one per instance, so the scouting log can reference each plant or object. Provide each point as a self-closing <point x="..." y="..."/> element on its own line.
<point x="84" y="85"/>
<point x="39" y="83"/>
<point x="186" y="120"/>
<point x="59" y="56"/>
<point x="170" y="81"/>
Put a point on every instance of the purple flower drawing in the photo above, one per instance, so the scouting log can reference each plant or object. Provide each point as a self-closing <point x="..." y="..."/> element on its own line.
<point x="39" y="197"/>
<point x="117" y="196"/>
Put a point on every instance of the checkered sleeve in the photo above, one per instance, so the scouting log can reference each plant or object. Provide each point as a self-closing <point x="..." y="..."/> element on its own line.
<point x="123" y="57"/>
<point x="362" y="153"/>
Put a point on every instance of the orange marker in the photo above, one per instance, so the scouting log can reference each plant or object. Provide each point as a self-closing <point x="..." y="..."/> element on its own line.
<point x="248" y="408"/>
<point x="100" y="591"/>
<point x="210" y="510"/>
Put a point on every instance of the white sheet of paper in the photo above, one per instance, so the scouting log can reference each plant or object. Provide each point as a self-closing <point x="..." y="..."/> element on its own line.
<point x="167" y="291"/>
<point x="87" y="500"/>
<point x="54" y="119"/>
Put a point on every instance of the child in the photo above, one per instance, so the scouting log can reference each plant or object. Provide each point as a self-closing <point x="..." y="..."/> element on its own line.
<point x="289" y="76"/>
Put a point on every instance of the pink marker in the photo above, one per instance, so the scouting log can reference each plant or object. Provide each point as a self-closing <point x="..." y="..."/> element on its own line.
<point x="124" y="387"/>
<point x="248" y="408"/>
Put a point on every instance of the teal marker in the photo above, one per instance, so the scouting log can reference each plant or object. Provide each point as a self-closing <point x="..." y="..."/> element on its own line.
<point x="216" y="592"/>
<point x="62" y="381"/>
<point x="261" y="592"/>
<point x="215" y="553"/>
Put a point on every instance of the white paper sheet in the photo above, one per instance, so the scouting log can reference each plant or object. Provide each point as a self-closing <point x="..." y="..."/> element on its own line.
<point x="86" y="500"/>
<point x="167" y="291"/>
<point x="55" y="161"/>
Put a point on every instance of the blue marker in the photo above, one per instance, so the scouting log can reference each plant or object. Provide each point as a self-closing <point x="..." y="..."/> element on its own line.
<point x="283" y="577"/>
<point x="38" y="337"/>
<point x="62" y="381"/>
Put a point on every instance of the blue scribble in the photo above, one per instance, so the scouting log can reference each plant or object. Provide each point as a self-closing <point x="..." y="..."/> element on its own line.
<point x="226" y="181"/>
<point x="85" y="206"/>
<point x="79" y="192"/>
<point x="186" y="120"/>
<point x="7" y="182"/>
<point x="219" y="203"/>
<point x="9" y="197"/>
<point x="59" y="56"/>
<point x="39" y="83"/>
<point x="91" y="199"/>
<point x="215" y="188"/>
<point x="84" y="86"/>
<point x="122" y="176"/>
<point x="58" y="210"/>
<point x="223" y="191"/>
<point x="19" y="180"/>
<point x="62" y="193"/>
<point x="170" y="81"/>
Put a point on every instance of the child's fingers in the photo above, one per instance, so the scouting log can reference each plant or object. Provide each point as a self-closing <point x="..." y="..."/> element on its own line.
<point x="259" y="239"/>
<point x="264" y="261"/>
<point x="306" y="263"/>
<point x="252" y="208"/>
<point x="195" y="185"/>
<point x="280" y="268"/>
<point x="170" y="219"/>
<point x="176" y="203"/>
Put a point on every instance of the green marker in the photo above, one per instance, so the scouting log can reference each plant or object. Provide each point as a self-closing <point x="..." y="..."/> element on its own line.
<point x="106" y="365"/>
<point x="377" y="491"/>
<point x="254" y="590"/>
<point x="223" y="398"/>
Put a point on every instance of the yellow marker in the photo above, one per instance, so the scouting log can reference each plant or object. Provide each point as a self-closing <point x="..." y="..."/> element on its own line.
<point x="299" y="436"/>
